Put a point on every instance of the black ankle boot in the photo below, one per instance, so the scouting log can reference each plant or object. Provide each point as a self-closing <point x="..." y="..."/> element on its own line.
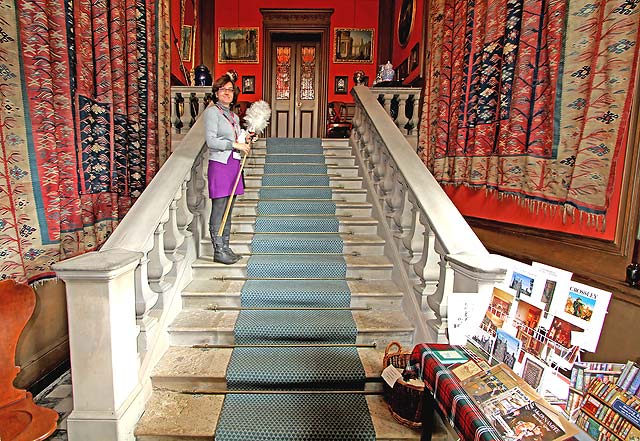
<point x="225" y="242"/>
<point x="220" y="255"/>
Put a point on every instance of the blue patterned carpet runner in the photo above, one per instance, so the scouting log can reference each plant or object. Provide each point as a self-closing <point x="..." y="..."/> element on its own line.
<point x="296" y="262"/>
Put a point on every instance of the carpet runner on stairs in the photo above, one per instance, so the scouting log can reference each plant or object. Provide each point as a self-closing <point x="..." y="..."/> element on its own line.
<point x="298" y="302"/>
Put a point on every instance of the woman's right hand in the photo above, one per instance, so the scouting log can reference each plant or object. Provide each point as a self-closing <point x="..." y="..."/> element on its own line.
<point x="243" y="147"/>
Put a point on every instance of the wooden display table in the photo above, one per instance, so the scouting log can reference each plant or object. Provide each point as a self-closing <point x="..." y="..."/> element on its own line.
<point x="457" y="401"/>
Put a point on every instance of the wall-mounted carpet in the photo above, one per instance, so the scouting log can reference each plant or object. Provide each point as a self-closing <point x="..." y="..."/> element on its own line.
<point x="84" y="123"/>
<point x="530" y="98"/>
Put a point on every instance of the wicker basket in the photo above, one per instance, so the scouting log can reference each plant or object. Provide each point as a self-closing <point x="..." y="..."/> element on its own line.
<point x="404" y="399"/>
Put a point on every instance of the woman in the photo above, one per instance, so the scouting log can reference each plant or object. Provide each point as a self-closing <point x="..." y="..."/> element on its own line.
<point x="226" y="143"/>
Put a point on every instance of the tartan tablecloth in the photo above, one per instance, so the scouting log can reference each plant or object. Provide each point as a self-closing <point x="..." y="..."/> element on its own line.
<point x="460" y="409"/>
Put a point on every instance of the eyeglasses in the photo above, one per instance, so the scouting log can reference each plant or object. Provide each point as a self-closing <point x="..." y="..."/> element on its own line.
<point x="226" y="89"/>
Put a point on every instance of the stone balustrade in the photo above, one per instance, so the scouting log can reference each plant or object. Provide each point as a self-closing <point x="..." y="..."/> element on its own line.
<point x="401" y="103"/>
<point x="122" y="298"/>
<point x="187" y="103"/>
<point x="439" y="253"/>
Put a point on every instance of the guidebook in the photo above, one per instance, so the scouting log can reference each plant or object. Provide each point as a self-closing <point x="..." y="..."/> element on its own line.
<point x="529" y="422"/>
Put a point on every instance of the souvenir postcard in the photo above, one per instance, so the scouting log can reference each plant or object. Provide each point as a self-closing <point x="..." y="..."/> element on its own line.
<point x="483" y="341"/>
<point x="525" y="280"/>
<point x="465" y="315"/>
<point x="506" y="348"/>
<point x="561" y="331"/>
<point x="585" y="307"/>
<point x="532" y="371"/>
<point x="556" y="279"/>
<point x="498" y="310"/>
<point x="490" y="384"/>
<point x="528" y="315"/>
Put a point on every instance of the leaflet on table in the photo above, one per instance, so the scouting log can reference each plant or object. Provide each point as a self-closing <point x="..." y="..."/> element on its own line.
<point x="533" y="421"/>
<point x="464" y="315"/>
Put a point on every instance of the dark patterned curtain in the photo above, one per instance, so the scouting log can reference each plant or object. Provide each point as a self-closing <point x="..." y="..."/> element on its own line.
<point x="530" y="98"/>
<point x="83" y="127"/>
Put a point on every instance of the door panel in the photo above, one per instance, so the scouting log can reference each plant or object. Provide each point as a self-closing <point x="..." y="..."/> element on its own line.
<point x="295" y="89"/>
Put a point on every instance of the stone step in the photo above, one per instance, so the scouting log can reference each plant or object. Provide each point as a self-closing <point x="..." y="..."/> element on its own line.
<point x="346" y="224"/>
<point x="379" y="295"/>
<point x="358" y="209"/>
<point x="186" y="368"/>
<point x="338" y="194"/>
<point x="353" y="244"/>
<point x="172" y="416"/>
<point x="198" y="326"/>
<point x="358" y="267"/>
<point x="332" y="170"/>
<point x="255" y="181"/>
<point x="330" y="158"/>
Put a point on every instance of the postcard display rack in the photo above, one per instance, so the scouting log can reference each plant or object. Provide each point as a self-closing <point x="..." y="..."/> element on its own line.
<point x="537" y="321"/>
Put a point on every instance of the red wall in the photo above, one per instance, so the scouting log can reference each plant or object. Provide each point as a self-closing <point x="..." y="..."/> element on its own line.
<point x="400" y="54"/>
<point x="175" y="36"/>
<point x="347" y="14"/>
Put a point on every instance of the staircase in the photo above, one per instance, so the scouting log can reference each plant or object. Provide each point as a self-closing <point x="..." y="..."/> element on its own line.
<point x="190" y="381"/>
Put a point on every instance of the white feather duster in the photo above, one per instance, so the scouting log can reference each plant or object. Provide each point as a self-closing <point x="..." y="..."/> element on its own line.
<point x="257" y="116"/>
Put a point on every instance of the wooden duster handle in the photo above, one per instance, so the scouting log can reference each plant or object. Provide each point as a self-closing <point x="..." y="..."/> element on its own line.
<point x="233" y="193"/>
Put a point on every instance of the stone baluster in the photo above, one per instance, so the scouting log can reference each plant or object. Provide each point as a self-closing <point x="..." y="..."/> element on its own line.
<point x="387" y="101"/>
<point x="375" y="170"/>
<point x="395" y="199"/>
<point x="438" y="302"/>
<point x="184" y="214"/>
<point x="146" y="299"/>
<point x="401" y="119"/>
<point x="196" y="201"/>
<point x="173" y="238"/>
<point x="414" y="116"/>
<point x="179" y="112"/>
<point x="387" y="181"/>
<point x="194" y="108"/>
<point x="159" y="264"/>
<point x="427" y="268"/>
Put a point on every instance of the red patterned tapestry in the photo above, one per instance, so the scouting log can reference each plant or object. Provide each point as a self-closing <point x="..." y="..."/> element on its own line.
<point x="530" y="98"/>
<point x="82" y="127"/>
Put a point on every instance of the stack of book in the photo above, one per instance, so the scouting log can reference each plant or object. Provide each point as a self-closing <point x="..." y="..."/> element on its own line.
<point x="629" y="381"/>
<point x="610" y="413"/>
<point x="582" y="375"/>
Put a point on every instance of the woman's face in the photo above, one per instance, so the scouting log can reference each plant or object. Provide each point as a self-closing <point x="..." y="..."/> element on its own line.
<point x="225" y="94"/>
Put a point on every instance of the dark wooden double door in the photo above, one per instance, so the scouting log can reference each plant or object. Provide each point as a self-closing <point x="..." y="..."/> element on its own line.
<point x="295" y="78"/>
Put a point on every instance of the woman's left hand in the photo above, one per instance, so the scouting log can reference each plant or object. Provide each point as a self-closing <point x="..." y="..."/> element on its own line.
<point x="243" y="147"/>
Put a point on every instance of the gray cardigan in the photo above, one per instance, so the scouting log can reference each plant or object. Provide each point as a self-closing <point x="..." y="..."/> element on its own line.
<point x="219" y="133"/>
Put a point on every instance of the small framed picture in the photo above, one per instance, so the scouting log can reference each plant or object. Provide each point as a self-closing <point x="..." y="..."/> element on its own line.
<point x="413" y="58"/>
<point x="248" y="84"/>
<point x="341" y="85"/>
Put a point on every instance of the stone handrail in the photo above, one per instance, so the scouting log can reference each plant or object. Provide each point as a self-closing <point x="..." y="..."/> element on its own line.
<point x="122" y="298"/>
<point x="439" y="252"/>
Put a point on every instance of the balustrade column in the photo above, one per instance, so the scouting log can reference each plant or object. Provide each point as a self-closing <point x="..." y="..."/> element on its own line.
<point x="107" y="397"/>
<point x="428" y="268"/>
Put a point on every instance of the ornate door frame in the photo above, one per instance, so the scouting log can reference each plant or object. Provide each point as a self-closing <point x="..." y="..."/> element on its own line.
<point x="298" y="21"/>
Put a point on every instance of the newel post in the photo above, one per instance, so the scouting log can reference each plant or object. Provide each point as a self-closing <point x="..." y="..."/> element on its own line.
<point x="101" y="306"/>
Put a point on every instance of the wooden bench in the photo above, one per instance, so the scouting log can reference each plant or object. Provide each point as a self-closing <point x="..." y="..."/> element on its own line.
<point x="20" y="418"/>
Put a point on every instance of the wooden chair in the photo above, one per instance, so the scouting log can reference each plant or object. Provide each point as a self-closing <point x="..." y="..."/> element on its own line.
<point x="338" y="124"/>
<point x="20" y="418"/>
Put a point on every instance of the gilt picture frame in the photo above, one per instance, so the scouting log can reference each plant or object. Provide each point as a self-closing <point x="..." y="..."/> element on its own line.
<point x="238" y="45"/>
<point x="353" y="45"/>
<point x="186" y="42"/>
<point x="248" y="84"/>
<point x="341" y="85"/>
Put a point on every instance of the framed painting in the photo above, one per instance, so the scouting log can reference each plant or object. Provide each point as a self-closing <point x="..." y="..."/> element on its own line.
<point x="353" y="45"/>
<point x="238" y="45"/>
<point x="186" y="42"/>
<point x="406" y="17"/>
<point x="414" y="60"/>
<point x="248" y="84"/>
<point x="341" y="85"/>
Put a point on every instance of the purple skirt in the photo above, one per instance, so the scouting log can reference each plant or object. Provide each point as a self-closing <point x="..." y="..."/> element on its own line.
<point x="222" y="177"/>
